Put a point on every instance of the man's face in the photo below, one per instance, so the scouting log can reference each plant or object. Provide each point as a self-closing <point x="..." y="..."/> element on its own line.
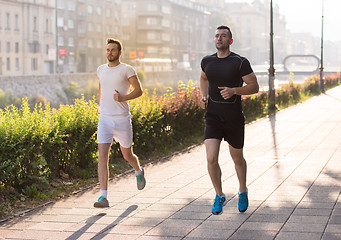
<point x="112" y="52"/>
<point x="222" y="40"/>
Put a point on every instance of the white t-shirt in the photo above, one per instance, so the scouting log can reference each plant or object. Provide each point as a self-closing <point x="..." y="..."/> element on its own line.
<point x="111" y="79"/>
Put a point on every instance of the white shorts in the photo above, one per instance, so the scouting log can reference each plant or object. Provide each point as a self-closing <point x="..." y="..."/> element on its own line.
<point x="115" y="127"/>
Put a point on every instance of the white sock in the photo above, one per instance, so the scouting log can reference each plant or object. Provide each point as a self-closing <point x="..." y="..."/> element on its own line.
<point x="245" y="191"/>
<point x="138" y="172"/>
<point x="104" y="193"/>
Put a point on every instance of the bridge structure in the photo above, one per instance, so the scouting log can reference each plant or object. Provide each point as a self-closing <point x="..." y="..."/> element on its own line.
<point x="296" y="64"/>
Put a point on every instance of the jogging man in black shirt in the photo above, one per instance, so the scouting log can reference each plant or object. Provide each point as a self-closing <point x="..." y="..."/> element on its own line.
<point x="222" y="84"/>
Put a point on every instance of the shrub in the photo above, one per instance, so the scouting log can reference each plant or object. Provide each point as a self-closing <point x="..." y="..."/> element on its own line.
<point x="91" y="90"/>
<point x="72" y="91"/>
<point x="181" y="110"/>
<point x="71" y="144"/>
<point x="141" y="75"/>
<point x="21" y="136"/>
<point x="253" y="106"/>
<point x="35" y="143"/>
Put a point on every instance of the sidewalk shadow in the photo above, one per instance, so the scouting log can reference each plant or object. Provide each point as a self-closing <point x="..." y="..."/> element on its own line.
<point x="105" y="231"/>
<point x="90" y="221"/>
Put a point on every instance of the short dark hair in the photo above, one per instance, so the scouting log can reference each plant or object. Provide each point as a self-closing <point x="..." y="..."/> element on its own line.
<point x="112" y="40"/>
<point x="227" y="28"/>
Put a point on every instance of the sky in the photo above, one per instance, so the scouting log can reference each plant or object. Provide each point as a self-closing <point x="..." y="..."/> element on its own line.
<point x="306" y="16"/>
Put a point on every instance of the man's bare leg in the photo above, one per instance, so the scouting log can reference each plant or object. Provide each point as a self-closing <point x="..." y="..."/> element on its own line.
<point x="240" y="166"/>
<point x="103" y="169"/>
<point x="212" y="154"/>
<point x="103" y="174"/>
<point x="133" y="160"/>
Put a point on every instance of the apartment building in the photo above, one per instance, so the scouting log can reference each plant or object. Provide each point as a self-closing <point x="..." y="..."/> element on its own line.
<point x="82" y="29"/>
<point x="251" y="30"/>
<point x="26" y="37"/>
<point x="164" y="35"/>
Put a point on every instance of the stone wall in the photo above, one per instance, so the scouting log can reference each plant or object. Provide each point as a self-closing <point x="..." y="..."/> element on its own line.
<point x="51" y="87"/>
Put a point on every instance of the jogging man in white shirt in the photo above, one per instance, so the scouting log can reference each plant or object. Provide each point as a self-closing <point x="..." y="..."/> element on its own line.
<point x="115" y="81"/>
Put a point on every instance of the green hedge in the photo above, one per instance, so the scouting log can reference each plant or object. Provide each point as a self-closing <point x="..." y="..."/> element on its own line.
<point x="35" y="144"/>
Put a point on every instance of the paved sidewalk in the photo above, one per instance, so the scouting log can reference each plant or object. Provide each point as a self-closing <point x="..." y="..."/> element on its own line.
<point x="294" y="179"/>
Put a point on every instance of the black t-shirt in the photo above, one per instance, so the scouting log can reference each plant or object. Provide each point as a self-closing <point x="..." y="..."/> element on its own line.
<point x="225" y="72"/>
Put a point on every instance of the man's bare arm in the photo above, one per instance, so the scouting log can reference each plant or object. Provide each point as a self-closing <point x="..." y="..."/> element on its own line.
<point x="204" y="90"/>
<point x="137" y="90"/>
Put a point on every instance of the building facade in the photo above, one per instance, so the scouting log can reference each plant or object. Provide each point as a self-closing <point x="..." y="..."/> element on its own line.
<point x="26" y="37"/>
<point x="164" y="35"/>
<point x="68" y="36"/>
<point x="82" y="28"/>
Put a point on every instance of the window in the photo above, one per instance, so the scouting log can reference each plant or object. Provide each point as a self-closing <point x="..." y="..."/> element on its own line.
<point x="90" y="27"/>
<point x="16" y="47"/>
<point x="90" y="9"/>
<point x="60" y="22"/>
<point x="47" y="49"/>
<point x="152" y="7"/>
<point x="99" y="11"/>
<point x="71" y="42"/>
<point x="46" y="25"/>
<point x="60" y="4"/>
<point x="152" y="21"/>
<point x="71" y="24"/>
<point x="152" y="49"/>
<point x="166" y="23"/>
<point x="34" y="24"/>
<point x="35" y="47"/>
<point x="90" y="43"/>
<point x="34" y="64"/>
<point x="16" y="22"/>
<point x="8" y="26"/>
<point x="166" y="9"/>
<point x="166" y="37"/>
<point x="60" y="41"/>
<point x="71" y="6"/>
<point x="17" y="64"/>
<point x="151" y="36"/>
<point x="8" y="47"/>
<point x="98" y="44"/>
<point x="8" y="64"/>
<point x="99" y="28"/>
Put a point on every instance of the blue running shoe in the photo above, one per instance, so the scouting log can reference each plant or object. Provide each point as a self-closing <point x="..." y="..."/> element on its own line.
<point x="243" y="202"/>
<point x="219" y="202"/>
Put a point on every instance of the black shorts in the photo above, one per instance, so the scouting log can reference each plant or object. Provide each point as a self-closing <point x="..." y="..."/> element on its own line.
<point x="217" y="129"/>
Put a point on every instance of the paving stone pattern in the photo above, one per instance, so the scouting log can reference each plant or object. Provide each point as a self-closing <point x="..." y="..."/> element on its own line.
<point x="294" y="179"/>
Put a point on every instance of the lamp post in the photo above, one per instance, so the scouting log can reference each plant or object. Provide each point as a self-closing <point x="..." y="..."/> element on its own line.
<point x="321" y="66"/>
<point x="271" y="92"/>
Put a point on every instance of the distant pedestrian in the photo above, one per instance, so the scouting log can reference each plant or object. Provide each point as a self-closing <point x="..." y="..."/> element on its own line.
<point x="222" y="84"/>
<point x="115" y="81"/>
